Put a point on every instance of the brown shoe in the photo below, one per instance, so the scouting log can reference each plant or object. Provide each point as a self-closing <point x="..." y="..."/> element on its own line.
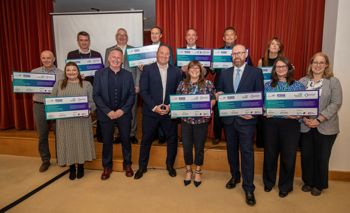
<point x="106" y="173"/>
<point x="44" y="166"/>
<point x="128" y="171"/>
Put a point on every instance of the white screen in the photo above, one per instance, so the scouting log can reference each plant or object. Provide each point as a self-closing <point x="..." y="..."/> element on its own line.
<point x="101" y="26"/>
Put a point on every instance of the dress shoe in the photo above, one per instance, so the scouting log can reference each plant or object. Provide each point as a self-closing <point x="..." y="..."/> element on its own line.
<point x="128" y="171"/>
<point x="283" y="194"/>
<point x="133" y="140"/>
<point x="215" y="141"/>
<point x="315" y="191"/>
<point x="80" y="172"/>
<point x="171" y="171"/>
<point x="232" y="183"/>
<point x="197" y="182"/>
<point x="306" y="188"/>
<point x="139" y="173"/>
<point x="44" y="166"/>
<point x="106" y="173"/>
<point x="72" y="172"/>
<point x="117" y="140"/>
<point x="187" y="181"/>
<point x="250" y="198"/>
<point x="267" y="189"/>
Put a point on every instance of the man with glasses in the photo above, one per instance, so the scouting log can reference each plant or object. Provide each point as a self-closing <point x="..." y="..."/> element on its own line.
<point x="239" y="130"/>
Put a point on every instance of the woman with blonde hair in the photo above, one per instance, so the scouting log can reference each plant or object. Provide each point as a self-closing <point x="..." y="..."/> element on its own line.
<point x="319" y="132"/>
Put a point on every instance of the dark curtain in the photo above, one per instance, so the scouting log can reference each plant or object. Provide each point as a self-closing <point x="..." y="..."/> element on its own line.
<point x="298" y="23"/>
<point x="26" y="30"/>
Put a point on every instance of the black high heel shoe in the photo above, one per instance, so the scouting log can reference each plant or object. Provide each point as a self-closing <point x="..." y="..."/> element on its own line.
<point x="72" y="172"/>
<point x="197" y="183"/>
<point x="186" y="181"/>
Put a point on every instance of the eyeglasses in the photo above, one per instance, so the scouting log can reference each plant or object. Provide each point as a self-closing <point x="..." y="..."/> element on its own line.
<point x="318" y="63"/>
<point x="238" y="53"/>
<point x="282" y="67"/>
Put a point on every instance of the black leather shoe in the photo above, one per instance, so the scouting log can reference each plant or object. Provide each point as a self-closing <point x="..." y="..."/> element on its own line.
<point x="232" y="183"/>
<point x="267" y="189"/>
<point x="283" y="194"/>
<point x="315" y="191"/>
<point x="250" y="198"/>
<point x="117" y="140"/>
<point x="306" y="188"/>
<point x="133" y="140"/>
<point x="171" y="171"/>
<point x="139" y="173"/>
<point x="44" y="166"/>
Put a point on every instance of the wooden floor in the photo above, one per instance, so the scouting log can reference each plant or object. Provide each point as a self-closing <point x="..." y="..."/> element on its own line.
<point x="24" y="143"/>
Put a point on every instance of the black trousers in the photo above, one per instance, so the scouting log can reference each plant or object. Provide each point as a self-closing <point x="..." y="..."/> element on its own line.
<point x="316" y="150"/>
<point x="281" y="139"/>
<point x="107" y="128"/>
<point x="194" y="134"/>
<point x="259" y="140"/>
<point x="150" y="126"/>
<point x="241" y="137"/>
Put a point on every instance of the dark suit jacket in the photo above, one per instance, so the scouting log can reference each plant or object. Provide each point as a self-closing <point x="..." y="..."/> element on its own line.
<point x="151" y="89"/>
<point x="251" y="81"/>
<point x="101" y="95"/>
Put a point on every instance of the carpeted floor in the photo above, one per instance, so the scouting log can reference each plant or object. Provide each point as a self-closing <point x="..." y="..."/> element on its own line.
<point x="155" y="192"/>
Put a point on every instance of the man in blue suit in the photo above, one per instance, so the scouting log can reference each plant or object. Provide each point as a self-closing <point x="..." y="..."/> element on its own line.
<point x="114" y="95"/>
<point x="239" y="130"/>
<point x="158" y="81"/>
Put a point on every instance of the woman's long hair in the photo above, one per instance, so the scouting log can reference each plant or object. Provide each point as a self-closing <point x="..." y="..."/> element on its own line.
<point x="267" y="50"/>
<point x="290" y="72"/>
<point x="65" y="80"/>
<point x="201" y="80"/>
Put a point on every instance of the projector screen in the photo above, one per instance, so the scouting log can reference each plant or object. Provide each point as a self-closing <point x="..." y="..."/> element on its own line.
<point x="102" y="27"/>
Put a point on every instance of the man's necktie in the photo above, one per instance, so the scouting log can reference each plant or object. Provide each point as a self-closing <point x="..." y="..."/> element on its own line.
<point x="237" y="79"/>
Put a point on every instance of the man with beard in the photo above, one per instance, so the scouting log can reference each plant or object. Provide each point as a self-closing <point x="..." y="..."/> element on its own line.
<point x="239" y="130"/>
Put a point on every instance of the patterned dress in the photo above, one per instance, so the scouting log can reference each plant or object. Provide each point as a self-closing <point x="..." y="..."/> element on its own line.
<point x="74" y="136"/>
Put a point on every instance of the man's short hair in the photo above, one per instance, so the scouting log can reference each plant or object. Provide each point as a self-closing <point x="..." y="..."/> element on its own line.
<point x="230" y="28"/>
<point x="115" y="49"/>
<point x="83" y="33"/>
<point x="157" y="27"/>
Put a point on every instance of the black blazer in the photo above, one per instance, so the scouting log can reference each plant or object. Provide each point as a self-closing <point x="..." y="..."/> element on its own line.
<point x="251" y="81"/>
<point x="151" y="89"/>
<point x="101" y="95"/>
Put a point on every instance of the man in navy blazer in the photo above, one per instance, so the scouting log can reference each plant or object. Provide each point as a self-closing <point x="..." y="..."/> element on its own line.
<point x="158" y="81"/>
<point x="239" y="130"/>
<point x="114" y="95"/>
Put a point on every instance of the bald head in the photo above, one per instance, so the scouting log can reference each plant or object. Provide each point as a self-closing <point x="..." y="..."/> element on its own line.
<point x="47" y="59"/>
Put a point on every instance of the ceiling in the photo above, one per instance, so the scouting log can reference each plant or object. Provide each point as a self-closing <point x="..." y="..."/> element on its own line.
<point x="148" y="6"/>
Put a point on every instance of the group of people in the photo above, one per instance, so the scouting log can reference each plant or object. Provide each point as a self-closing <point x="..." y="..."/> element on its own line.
<point x="113" y="94"/>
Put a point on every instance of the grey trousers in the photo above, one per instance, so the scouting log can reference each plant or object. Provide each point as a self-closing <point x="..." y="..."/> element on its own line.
<point x="42" y="128"/>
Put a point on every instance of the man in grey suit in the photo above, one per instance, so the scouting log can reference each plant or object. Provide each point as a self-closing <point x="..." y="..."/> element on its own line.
<point x="122" y="42"/>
